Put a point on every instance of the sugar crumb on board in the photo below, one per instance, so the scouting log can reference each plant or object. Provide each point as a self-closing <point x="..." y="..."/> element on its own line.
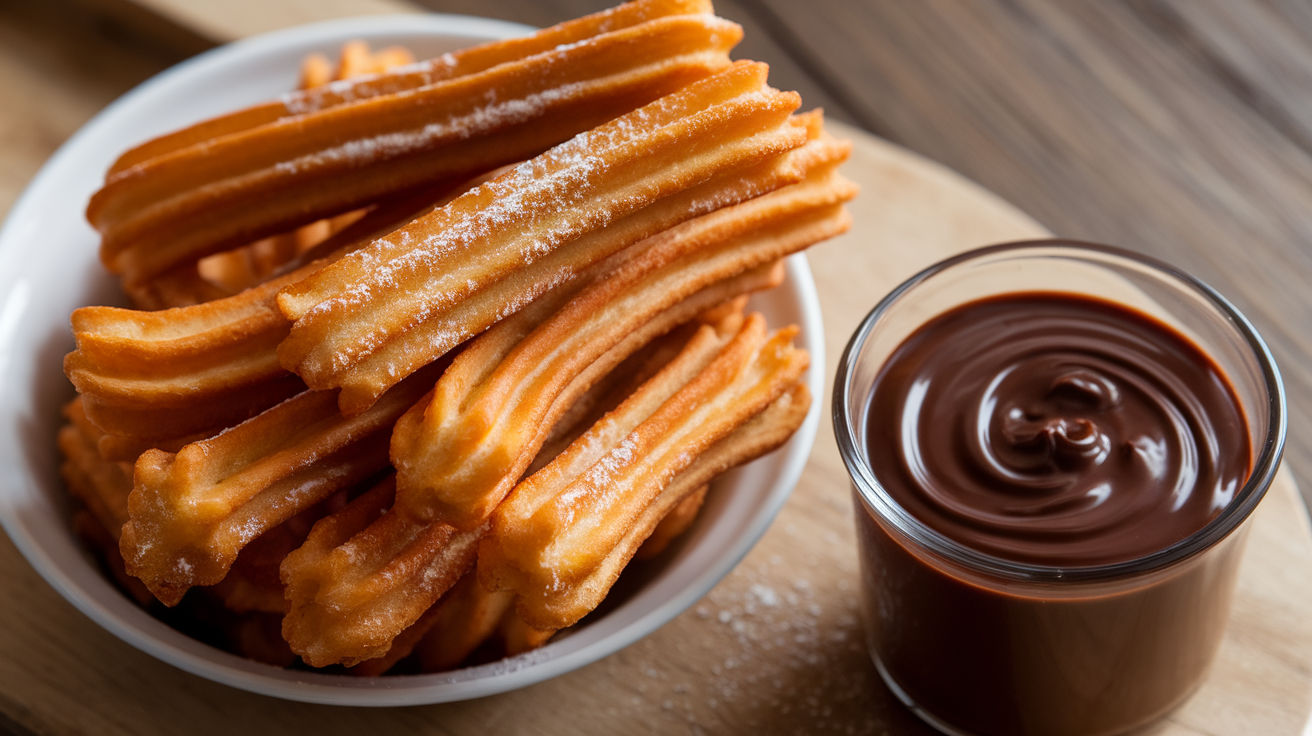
<point x="778" y="649"/>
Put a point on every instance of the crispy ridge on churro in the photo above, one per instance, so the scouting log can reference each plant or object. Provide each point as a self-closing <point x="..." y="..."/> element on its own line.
<point x="233" y="271"/>
<point x="388" y="292"/>
<point x="189" y="203"/>
<point x="366" y="574"/>
<point x="458" y="455"/>
<point x="349" y="592"/>
<point x="193" y="511"/>
<point x="161" y="380"/>
<point x="414" y="76"/>
<point x="562" y="536"/>
<point x="461" y="620"/>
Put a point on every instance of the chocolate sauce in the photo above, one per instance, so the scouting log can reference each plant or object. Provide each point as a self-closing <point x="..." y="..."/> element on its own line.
<point x="1058" y="430"/>
<point x="1061" y="431"/>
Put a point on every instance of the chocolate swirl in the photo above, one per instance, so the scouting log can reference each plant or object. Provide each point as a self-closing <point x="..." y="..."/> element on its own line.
<point x="1058" y="430"/>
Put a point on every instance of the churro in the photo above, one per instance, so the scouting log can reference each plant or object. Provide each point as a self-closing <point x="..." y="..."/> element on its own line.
<point x="380" y="313"/>
<point x="193" y="511"/>
<point x="188" y="203"/>
<point x="365" y="575"/>
<point x="166" y="379"/>
<point x="312" y="98"/>
<point x="562" y="536"/>
<point x="355" y="558"/>
<point x="458" y="456"/>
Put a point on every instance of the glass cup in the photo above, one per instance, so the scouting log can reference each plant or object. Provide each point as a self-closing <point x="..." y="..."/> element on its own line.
<point x="976" y="644"/>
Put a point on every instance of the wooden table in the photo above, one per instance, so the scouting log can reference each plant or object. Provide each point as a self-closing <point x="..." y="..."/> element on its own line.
<point x="1176" y="128"/>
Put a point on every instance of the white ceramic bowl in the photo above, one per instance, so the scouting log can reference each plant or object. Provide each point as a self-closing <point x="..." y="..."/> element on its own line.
<point x="48" y="267"/>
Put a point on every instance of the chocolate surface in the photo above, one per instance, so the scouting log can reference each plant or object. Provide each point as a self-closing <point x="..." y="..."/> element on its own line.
<point x="1056" y="429"/>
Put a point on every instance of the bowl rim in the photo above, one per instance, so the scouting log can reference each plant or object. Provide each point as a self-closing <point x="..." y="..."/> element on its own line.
<point x="139" y="629"/>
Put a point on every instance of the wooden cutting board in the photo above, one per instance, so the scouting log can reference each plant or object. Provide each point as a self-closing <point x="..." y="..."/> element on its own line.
<point x="775" y="648"/>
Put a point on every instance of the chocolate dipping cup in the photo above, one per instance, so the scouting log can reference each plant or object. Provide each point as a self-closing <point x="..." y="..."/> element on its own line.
<point x="980" y="645"/>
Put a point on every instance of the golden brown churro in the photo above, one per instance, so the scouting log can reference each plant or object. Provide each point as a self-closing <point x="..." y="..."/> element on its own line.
<point x="165" y="379"/>
<point x="365" y="575"/>
<point x="232" y="271"/>
<point x="561" y="538"/>
<point x="193" y="511"/>
<point x="380" y="313"/>
<point x="423" y="74"/>
<point x="180" y="371"/>
<point x="457" y="457"/>
<point x="355" y="559"/>
<point x="188" y="203"/>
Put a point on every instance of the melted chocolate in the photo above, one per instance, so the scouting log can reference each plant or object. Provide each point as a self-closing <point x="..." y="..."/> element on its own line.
<point x="1054" y="429"/>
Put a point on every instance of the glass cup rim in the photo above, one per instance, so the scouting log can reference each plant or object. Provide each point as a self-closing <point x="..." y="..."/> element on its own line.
<point x="879" y="500"/>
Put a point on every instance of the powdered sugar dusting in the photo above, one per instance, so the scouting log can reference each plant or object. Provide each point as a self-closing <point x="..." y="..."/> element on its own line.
<point x="390" y="145"/>
<point x="397" y="80"/>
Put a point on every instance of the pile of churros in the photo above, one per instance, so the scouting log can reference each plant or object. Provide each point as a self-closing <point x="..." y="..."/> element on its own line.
<point x="426" y="353"/>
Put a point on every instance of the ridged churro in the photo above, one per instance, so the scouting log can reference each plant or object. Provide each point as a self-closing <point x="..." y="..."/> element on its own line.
<point x="355" y="559"/>
<point x="192" y="512"/>
<point x="312" y="98"/>
<point x="254" y="582"/>
<point x="380" y="313"/>
<point x="365" y="575"/>
<point x="457" y="457"/>
<point x="188" y="203"/>
<point x="561" y="538"/>
<point x="161" y="380"/>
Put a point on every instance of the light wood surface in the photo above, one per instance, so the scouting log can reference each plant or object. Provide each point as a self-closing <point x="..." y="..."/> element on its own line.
<point x="775" y="648"/>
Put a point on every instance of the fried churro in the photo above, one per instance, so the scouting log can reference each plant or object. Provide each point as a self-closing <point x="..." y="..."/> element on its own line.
<point x="378" y="314"/>
<point x="352" y="591"/>
<point x="188" y="203"/>
<point x="365" y="575"/>
<point x="458" y="456"/>
<point x="193" y="511"/>
<point x="312" y="98"/>
<point x="161" y="380"/>
<point x="561" y="538"/>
